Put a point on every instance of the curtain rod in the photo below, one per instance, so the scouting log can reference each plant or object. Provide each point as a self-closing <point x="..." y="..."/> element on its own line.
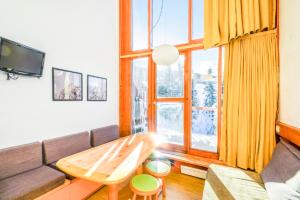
<point x="274" y="31"/>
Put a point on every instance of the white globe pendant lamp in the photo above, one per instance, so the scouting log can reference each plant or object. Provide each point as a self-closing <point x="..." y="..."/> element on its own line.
<point x="165" y="54"/>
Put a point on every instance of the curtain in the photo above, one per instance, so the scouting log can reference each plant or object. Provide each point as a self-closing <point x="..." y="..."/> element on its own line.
<point x="228" y="19"/>
<point x="251" y="81"/>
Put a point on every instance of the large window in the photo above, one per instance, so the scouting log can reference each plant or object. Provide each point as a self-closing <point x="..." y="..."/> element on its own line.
<point x="170" y="80"/>
<point x="139" y="95"/>
<point x="197" y="19"/>
<point x="170" y="22"/>
<point x="204" y="99"/>
<point x="139" y="36"/>
<point x="169" y="101"/>
<point x="170" y="122"/>
<point x="180" y="102"/>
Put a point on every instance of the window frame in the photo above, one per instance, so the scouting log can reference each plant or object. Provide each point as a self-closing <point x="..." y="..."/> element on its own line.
<point x="126" y="55"/>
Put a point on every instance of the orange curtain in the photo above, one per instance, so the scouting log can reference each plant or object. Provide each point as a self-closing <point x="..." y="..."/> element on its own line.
<point x="250" y="101"/>
<point x="228" y="19"/>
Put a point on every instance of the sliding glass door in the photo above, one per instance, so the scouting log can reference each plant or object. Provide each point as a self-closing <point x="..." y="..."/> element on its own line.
<point x="169" y="101"/>
<point x="204" y="129"/>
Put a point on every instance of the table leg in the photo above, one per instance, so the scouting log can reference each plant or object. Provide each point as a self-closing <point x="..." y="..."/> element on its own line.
<point x="139" y="170"/>
<point x="113" y="192"/>
<point x="163" y="186"/>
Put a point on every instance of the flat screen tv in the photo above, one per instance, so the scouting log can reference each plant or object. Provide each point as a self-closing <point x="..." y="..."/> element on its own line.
<point x="20" y="59"/>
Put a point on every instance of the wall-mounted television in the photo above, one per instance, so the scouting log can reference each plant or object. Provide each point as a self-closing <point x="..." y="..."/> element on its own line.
<point x="20" y="59"/>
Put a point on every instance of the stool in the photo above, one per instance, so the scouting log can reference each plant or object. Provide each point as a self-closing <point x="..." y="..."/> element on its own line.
<point x="144" y="185"/>
<point x="159" y="170"/>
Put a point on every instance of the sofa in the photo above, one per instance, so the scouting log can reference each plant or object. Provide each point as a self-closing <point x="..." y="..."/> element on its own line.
<point x="29" y="171"/>
<point x="23" y="175"/>
<point x="105" y="134"/>
<point x="280" y="180"/>
<point x="60" y="147"/>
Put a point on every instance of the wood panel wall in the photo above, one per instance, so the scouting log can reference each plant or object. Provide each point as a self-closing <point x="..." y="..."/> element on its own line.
<point x="289" y="132"/>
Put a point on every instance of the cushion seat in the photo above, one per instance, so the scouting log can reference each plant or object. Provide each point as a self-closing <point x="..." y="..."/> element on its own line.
<point x="232" y="183"/>
<point x="281" y="176"/>
<point x="144" y="183"/>
<point x="30" y="184"/>
<point x="158" y="168"/>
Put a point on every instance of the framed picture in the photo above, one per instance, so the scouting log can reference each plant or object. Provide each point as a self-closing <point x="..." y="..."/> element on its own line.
<point x="96" y="88"/>
<point x="66" y="85"/>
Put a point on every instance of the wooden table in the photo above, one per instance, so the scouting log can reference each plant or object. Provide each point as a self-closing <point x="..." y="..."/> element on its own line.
<point x="111" y="163"/>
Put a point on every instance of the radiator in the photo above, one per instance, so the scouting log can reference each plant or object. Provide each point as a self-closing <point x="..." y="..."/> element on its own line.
<point x="199" y="173"/>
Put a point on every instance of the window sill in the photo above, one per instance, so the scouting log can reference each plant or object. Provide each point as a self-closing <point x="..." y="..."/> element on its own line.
<point x="189" y="159"/>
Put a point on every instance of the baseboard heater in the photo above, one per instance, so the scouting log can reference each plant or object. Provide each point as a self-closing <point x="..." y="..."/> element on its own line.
<point x="199" y="173"/>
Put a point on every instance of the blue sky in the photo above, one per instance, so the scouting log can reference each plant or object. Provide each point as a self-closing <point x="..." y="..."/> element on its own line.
<point x="172" y="27"/>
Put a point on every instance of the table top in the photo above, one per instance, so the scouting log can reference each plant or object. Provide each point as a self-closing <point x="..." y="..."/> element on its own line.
<point x="113" y="162"/>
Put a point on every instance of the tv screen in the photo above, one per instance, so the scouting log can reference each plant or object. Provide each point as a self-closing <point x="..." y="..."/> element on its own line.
<point x="20" y="59"/>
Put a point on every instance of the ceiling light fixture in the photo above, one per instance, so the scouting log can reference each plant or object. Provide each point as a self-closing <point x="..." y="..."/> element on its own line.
<point x="165" y="54"/>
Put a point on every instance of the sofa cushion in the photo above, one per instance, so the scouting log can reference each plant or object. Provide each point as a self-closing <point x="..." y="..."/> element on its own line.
<point x="18" y="159"/>
<point x="57" y="148"/>
<point x="30" y="184"/>
<point x="282" y="175"/>
<point x="105" y="134"/>
<point x="232" y="183"/>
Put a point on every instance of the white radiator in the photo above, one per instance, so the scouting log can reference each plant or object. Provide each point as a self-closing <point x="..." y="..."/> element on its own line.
<point x="199" y="173"/>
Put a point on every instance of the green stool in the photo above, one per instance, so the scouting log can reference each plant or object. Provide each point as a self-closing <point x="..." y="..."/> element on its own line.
<point x="159" y="169"/>
<point x="144" y="185"/>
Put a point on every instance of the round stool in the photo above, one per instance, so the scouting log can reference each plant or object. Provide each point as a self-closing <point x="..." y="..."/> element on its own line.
<point x="144" y="185"/>
<point x="160" y="170"/>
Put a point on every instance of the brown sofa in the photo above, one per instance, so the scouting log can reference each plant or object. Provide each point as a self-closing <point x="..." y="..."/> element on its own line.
<point x="58" y="148"/>
<point x="105" y="134"/>
<point x="280" y="180"/>
<point x="23" y="175"/>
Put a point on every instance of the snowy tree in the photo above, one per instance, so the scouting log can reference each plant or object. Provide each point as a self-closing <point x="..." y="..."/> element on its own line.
<point x="210" y="95"/>
<point x="195" y="99"/>
<point x="210" y="92"/>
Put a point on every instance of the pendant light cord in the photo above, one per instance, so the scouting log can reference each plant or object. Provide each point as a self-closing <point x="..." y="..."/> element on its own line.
<point x="157" y="21"/>
<point x="160" y="14"/>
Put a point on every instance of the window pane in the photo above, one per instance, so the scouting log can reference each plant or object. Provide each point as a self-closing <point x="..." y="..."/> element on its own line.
<point x="172" y="27"/>
<point x="169" y="79"/>
<point x="139" y="24"/>
<point x="170" y="122"/>
<point x="205" y="62"/>
<point x="139" y="91"/>
<point x="204" y="93"/>
<point x="198" y="19"/>
<point x="204" y="129"/>
<point x="205" y="99"/>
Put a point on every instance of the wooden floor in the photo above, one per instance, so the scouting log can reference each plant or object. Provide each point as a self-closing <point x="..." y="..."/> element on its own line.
<point x="179" y="187"/>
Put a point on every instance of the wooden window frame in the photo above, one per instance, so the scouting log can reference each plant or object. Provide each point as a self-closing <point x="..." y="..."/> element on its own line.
<point x="126" y="56"/>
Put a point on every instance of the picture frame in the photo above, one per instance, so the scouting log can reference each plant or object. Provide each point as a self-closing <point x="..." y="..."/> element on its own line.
<point x="66" y="85"/>
<point x="96" y="88"/>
